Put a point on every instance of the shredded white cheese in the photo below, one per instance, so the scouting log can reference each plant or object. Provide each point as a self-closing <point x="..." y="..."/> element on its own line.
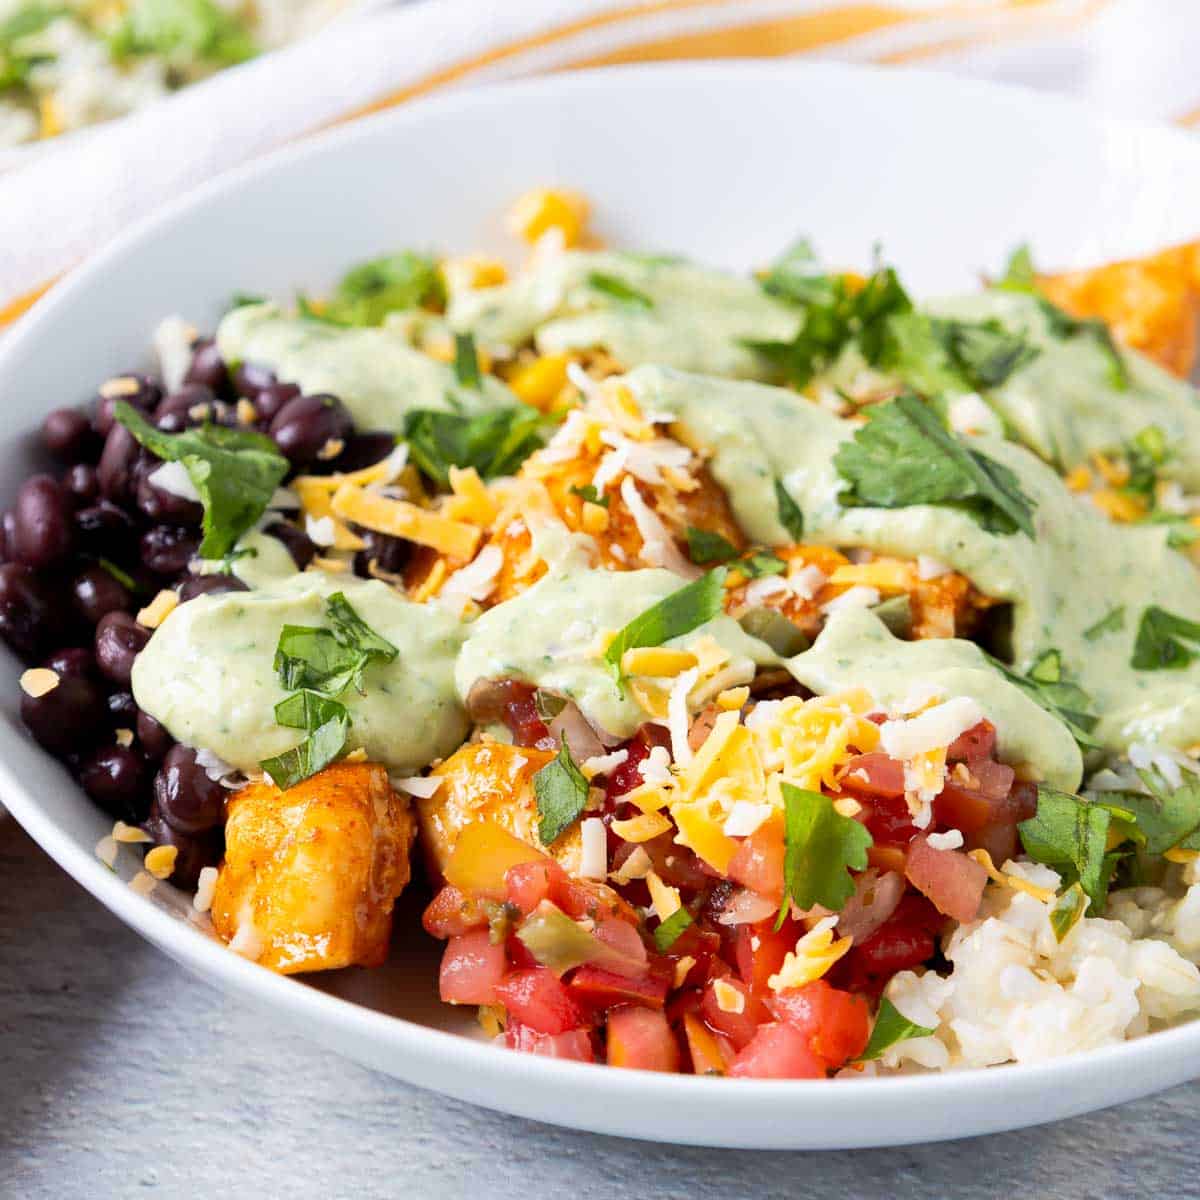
<point x="594" y="859"/>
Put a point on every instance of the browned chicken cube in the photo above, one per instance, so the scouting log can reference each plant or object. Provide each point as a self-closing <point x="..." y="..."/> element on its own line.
<point x="311" y="874"/>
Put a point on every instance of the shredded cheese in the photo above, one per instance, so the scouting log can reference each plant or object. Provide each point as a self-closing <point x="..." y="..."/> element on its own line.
<point x="399" y="518"/>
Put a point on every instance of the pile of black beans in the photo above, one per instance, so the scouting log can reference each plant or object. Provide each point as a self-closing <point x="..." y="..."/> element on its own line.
<point x="62" y="607"/>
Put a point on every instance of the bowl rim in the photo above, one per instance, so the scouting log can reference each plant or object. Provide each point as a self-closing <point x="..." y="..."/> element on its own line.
<point x="431" y="1051"/>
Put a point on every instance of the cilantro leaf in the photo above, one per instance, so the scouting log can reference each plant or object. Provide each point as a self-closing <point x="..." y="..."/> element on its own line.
<point x="905" y="456"/>
<point x="617" y="289"/>
<point x="1019" y="275"/>
<point x="466" y="362"/>
<point x="308" y="710"/>
<point x="705" y="547"/>
<point x="235" y="471"/>
<point x="1070" y="835"/>
<point x="891" y="1026"/>
<point x="820" y="848"/>
<point x="673" y="616"/>
<point x="495" y="442"/>
<point x="351" y="630"/>
<point x="667" y="932"/>
<point x="561" y="792"/>
<point x="316" y="752"/>
<point x="198" y="29"/>
<point x="1068" y="910"/>
<point x="756" y="563"/>
<point x="836" y="313"/>
<point x="985" y="353"/>
<point x="1112" y="622"/>
<point x="308" y="657"/>
<point x="1165" y="642"/>
<point x="1058" y="696"/>
<point x="393" y="283"/>
<point x="791" y="517"/>
<point x="1166" y="818"/>
<point x="589" y="493"/>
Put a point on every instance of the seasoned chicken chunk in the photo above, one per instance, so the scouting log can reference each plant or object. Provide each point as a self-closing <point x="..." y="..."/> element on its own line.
<point x="310" y="875"/>
<point x="488" y="781"/>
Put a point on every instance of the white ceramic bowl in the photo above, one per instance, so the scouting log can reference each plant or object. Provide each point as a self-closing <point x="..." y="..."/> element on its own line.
<point x="727" y="163"/>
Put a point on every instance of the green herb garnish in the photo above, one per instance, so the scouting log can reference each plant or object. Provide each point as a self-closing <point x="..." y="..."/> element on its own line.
<point x="1113" y="621"/>
<point x="821" y="847"/>
<point x="890" y="1027"/>
<point x="1168" y="817"/>
<point x="667" y="932"/>
<point x="1165" y="642"/>
<point x="1068" y="910"/>
<point x="1070" y="834"/>
<point x="235" y="471"/>
<point x="589" y="493"/>
<point x="561" y="792"/>
<point x="617" y="289"/>
<point x="690" y="607"/>
<point x="905" y="456"/>
<point x="1061" y="698"/>
<point x="322" y="746"/>
<point x="495" y="442"/>
<point x="706" y="547"/>
<point x="171" y="28"/>
<point x="466" y="362"/>
<point x="791" y="516"/>
<point x="984" y="353"/>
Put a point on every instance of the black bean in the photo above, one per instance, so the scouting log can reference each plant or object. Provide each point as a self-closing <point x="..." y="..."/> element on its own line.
<point x="115" y="472"/>
<point x="73" y="660"/>
<point x="6" y="535"/>
<point x="159" y="504"/>
<point x="207" y="367"/>
<point x="105" y="529"/>
<point x="389" y="554"/>
<point x="302" y="548"/>
<point x="153" y="737"/>
<point x="82" y="483"/>
<point x="195" y="851"/>
<point x="33" y="619"/>
<point x="115" y="778"/>
<point x="96" y="593"/>
<point x="174" y="413"/>
<point x="364" y="450"/>
<point x="309" y="425"/>
<point x="141" y="392"/>
<point x="122" y="710"/>
<point x="43" y="534"/>
<point x="209" y="585"/>
<point x="68" y="435"/>
<point x="184" y="795"/>
<point x="167" y="549"/>
<point x="249" y="379"/>
<point x="119" y="640"/>
<point x="271" y="399"/>
<point x="67" y="717"/>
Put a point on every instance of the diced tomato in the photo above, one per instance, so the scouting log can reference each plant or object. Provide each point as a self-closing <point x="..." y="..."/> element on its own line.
<point x="874" y="774"/>
<point x="837" y="1023"/>
<point x="677" y="865"/>
<point x="539" y="999"/>
<point x="527" y="884"/>
<point x="890" y="822"/>
<point x="595" y="988"/>
<point x="887" y="858"/>
<point x="777" y="1051"/>
<point x="709" y="1052"/>
<point x="999" y="840"/>
<point x="640" y="1038"/>
<point x="738" y="1027"/>
<point x="626" y="777"/>
<point x="978" y="742"/>
<point x="702" y="945"/>
<point x="521" y="715"/>
<point x="623" y="937"/>
<point x="471" y="969"/>
<point x="905" y="940"/>
<point x="758" y="862"/>
<point x="984" y="801"/>
<point x="575" y="1044"/>
<point x="760" y="949"/>
<point x="520" y="958"/>
<point x="451" y="912"/>
<point x="949" y="878"/>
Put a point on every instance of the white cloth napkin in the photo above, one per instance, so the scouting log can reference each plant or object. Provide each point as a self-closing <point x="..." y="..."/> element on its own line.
<point x="1135" y="56"/>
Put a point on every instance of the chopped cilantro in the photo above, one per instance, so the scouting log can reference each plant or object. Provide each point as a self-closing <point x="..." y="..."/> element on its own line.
<point x="466" y="362"/>
<point x="903" y="455"/>
<point x="1068" y="910"/>
<point x="985" y="353"/>
<point x="495" y="442"/>
<point x="561" y="792"/>
<point x="308" y="710"/>
<point x="1168" y="817"/>
<point x="1113" y="621"/>
<point x="322" y="746"/>
<point x="756" y="563"/>
<point x="682" y="611"/>
<point x="1058" y="696"/>
<point x="589" y="493"/>
<point x="667" y="932"/>
<point x="820" y="848"/>
<point x="705" y="547"/>
<point x="891" y="1026"/>
<point x="236" y="472"/>
<point x="791" y="516"/>
<point x="617" y="289"/>
<point x="126" y="580"/>
<point x="1165" y="642"/>
<point x="1070" y="834"/>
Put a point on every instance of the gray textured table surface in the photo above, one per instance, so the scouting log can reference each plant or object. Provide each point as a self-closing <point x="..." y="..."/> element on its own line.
<point x="122" y="1076"/>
